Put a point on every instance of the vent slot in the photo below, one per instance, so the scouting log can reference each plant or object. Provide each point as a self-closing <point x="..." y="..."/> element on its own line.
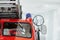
<point x="12" y="0"/>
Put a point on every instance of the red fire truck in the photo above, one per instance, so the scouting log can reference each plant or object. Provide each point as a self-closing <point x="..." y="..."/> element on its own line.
<point x="12" y="26"/>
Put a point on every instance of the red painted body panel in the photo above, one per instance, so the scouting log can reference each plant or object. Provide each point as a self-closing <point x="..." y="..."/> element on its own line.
<point x="13" y="37"/>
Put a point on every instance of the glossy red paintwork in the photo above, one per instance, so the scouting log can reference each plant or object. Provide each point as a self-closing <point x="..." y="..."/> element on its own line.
<point x="29" y="20"/>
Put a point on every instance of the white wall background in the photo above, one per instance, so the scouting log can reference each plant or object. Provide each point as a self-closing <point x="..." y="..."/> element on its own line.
<point x="50" y="10"/>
